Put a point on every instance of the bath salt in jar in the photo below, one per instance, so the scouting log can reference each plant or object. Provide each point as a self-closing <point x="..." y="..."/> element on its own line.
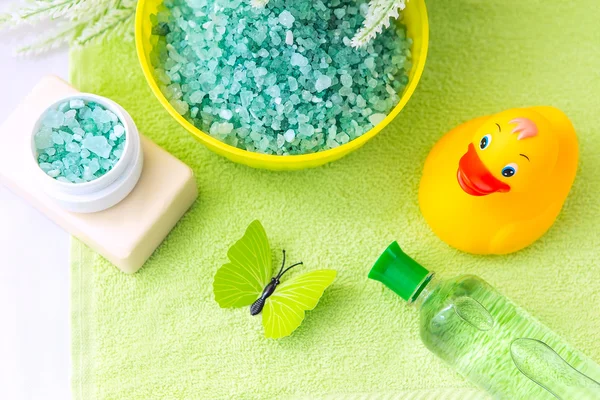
<point x="86" y="153"/>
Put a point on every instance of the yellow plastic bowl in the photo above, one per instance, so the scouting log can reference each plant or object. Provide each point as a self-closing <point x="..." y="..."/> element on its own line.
<point x="415" y="19"/>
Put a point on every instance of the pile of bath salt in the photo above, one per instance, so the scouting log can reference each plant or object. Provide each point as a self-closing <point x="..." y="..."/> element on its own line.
<point x="79" y="141"/>
<point x="281" y="79"/>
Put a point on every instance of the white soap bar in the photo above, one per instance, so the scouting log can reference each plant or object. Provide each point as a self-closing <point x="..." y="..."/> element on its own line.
<point x="126" y="234"/>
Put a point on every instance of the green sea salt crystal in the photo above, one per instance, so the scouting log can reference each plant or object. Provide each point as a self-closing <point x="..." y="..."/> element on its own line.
<point x="43" y="138"/>
<point x="289" y="38"/>
<point x="346" y="80"/>
<point x="180" y="106"/>
<point x="45" y="166"/>
<point x="280" y="140"/>
<point x="273" y="91"/>
<point x="298" y="60"/>
<point x="360" y="101"/>
<point x="374" y="119"/>
<point x="225" y="128"/>
<point x="54" y="119"/>
<point x="66" y="136"/>
<point x="69" y="115"/>
<point x="98" y="145"/>
<point x="306" y="130"/>
<point x="343" y="138"/>
<point x="263" y="144"/>
<point x="221" y="128"/>
<point x="226" y="114"/>
<point x="90" y="169"/>
<point x="78" y="131"/>
<point x="73" y="147"/>
<point x="339" y="12"/>
<point x="306" y="95"/>
<point x="289" y="135"/>
<point x="57" y="138"/>
<point x="63" y="107"/>
<point x="322" y="83"/>
<point x="119" y="130"/>
<point x="197" y="96"/>
<point x="275" y="38"/>
<point x="277" y="79"/>
<point x="76" y="103"/>
<point x="286" y="19"/>
<point x="345" y="91"/>
<point x="302" y="118"/>
<point x="73" y="142"/>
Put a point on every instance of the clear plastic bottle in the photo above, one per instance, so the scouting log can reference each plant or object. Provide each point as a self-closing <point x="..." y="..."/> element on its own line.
<point x="486" y="337"/>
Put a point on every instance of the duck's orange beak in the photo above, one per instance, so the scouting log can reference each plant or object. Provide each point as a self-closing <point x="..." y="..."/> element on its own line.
<point x="474" y="178"/>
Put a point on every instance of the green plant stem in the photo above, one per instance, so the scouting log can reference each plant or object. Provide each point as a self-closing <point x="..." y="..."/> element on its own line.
<point x="41" y="10"/>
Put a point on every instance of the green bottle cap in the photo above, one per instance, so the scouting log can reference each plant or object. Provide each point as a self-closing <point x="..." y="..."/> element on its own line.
<point x="398" y="271"/>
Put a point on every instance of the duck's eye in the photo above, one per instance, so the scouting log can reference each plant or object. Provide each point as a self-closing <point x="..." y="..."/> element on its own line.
<point x="485" y="141"/>
<point x="510" y="170"/>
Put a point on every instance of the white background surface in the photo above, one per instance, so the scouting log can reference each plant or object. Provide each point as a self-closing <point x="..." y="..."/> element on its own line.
<point x="34" y="268"/>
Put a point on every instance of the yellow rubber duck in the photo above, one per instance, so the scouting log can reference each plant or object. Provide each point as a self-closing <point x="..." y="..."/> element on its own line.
<point x="495" y="184"/>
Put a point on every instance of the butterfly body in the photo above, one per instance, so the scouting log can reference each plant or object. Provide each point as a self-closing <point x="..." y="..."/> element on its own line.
<point x="259" y="304"/>
<point x="248" y="280"/>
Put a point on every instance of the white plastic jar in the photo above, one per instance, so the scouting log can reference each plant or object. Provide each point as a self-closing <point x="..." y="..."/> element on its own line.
<point x="109" y="189"/>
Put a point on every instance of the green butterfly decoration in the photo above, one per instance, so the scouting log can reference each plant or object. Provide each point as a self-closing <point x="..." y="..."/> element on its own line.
<point x="247" y="280"/>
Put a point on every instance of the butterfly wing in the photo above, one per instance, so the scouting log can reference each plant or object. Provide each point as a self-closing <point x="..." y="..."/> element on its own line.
<point x="284" y="309"/>
<point x="241" y="281"/>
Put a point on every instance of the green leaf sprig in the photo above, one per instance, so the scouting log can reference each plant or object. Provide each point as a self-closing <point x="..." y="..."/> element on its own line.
<point x="378" y="16"/>
<point x="76" y="22"/>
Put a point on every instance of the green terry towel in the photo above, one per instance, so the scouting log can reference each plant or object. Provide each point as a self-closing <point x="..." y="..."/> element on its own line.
<point x="159" y="334"/>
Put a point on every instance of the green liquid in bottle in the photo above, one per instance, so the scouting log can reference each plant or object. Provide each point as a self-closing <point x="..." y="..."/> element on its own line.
<point x="486" y="337"/>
